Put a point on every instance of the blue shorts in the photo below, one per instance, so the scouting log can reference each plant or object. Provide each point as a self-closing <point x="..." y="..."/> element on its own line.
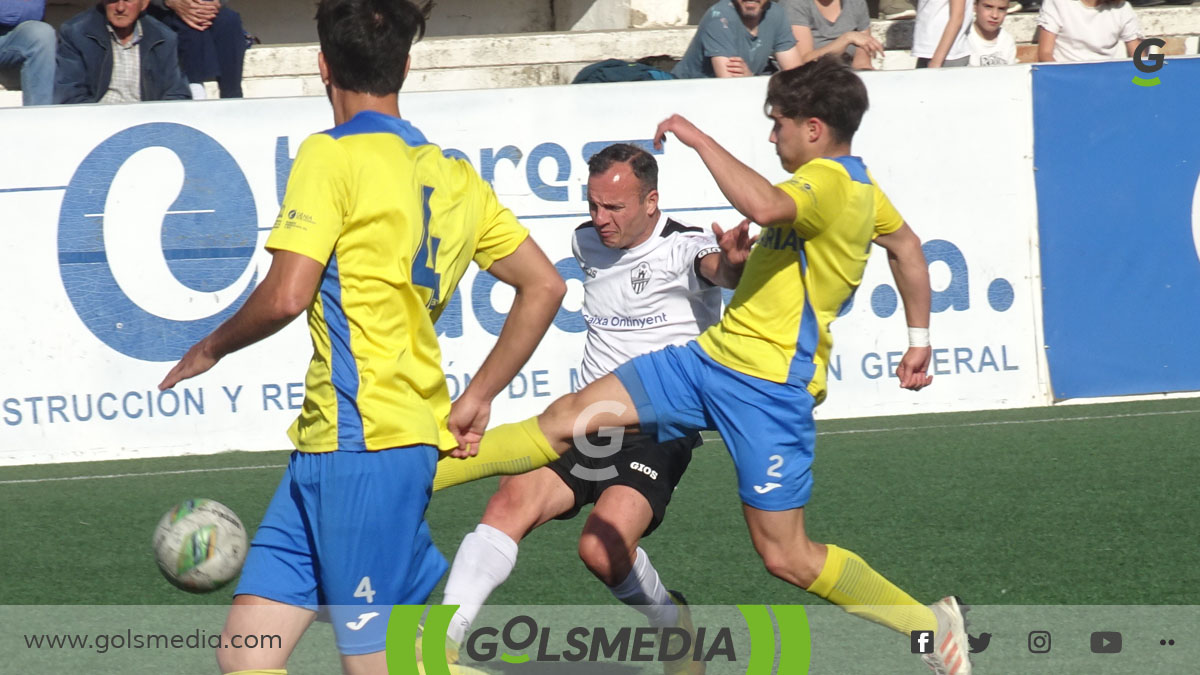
<point x="347" y="530"/>
<point x="767" y="426"/>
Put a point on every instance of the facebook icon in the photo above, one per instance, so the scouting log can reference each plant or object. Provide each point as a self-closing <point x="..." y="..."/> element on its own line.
<point x="922" y="641"/>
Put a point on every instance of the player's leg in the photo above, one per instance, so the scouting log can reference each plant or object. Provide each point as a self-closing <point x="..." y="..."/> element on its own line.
<point x="631" y="505"/>
<point x="277" y="593"/>
<point x="833" y="573"/>
<point x="653" y="390"/>
<point x="609" y="548"/>
<point x="251" y="615"/>
<point x="374" y="663"/>
<point x="770" y="433"/>
<point x="519" y="447"/>
<point x="488" y="555"/>
<point x="373" y="545"/>
<point x="843" y="578"/>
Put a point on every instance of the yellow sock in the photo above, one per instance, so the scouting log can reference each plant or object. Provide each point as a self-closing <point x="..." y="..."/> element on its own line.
<point x="848" y="581"/>
<point x="507" y="449"/>
<point x="259" y="672"/>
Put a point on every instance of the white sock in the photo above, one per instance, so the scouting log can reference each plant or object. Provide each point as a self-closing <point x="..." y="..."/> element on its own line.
<point x="198" y="93"/>
<point x="644" y="591"/>
<point x="484" y="560"/>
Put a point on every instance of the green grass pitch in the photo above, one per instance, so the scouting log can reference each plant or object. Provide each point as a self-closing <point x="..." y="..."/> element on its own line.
<point x="1073" y="505"/>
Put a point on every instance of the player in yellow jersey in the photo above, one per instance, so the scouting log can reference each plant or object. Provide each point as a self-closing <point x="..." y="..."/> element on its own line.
<point x="756" y="375"/>
<point x="375" y="231"/>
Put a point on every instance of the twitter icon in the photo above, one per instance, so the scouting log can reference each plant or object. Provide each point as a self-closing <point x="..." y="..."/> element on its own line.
<point x="978" y="644"/>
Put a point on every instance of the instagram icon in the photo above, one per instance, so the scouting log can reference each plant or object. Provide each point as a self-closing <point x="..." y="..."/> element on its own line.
<point x="1039" y="641"/>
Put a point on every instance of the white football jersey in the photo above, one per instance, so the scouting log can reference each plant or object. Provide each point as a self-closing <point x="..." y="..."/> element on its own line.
<point x="644" y="298"/>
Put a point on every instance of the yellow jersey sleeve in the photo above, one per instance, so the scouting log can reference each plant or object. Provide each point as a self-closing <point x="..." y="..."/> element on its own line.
<point x="316" y="202"/>
<point x="499" y="233"/>
<point x="887" y="218"/>
<point x="819" y="194"/>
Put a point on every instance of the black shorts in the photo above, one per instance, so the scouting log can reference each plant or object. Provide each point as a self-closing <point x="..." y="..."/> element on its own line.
<point x="642" y="463"/>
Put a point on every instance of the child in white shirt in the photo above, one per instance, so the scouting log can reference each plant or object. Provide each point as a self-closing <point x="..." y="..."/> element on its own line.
<point x="990" y="44"/>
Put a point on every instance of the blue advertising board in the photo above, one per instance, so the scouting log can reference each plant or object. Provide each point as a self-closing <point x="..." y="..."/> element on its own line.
<point x="1116" y="173"/>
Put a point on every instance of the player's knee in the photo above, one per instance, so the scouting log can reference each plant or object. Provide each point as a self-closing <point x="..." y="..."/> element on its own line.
<point x="510" y="514"/>
<point x="558" y="421"/>
<point x="603" y="558"/>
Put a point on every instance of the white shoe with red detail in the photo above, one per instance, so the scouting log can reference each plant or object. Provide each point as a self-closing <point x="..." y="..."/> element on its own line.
<point x="951" y="652"/>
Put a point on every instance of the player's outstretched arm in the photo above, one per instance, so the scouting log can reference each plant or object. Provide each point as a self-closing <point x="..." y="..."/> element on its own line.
<point x="540" y="290"/>
<point x="724" y="269"/>
<point x="911" y="273"/>
<point x="751" y="194"/>
<point x="284" y="294"/>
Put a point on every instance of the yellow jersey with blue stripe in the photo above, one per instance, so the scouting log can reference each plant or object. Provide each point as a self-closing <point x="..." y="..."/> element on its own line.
<point x="800" y="275"/>
<point x="396" y="224"/>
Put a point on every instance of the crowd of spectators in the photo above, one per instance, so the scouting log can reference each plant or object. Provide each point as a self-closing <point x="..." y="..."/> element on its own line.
<point x="138" y="50"/>
<point x="122" y="51"/>
<point x="738" y="38"/>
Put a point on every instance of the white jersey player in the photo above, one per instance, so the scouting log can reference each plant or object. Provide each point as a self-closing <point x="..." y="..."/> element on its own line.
<point x="650" y="282"/>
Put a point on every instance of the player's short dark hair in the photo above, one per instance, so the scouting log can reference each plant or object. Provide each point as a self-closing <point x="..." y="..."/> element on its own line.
<point x="827" y="89"/>
<point x="366" y="42"/>
<point x="645" y="167"/>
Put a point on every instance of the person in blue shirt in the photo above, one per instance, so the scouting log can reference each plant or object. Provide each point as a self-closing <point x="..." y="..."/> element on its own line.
<point x="737" y="38"/>
<point x="28" y="43"/>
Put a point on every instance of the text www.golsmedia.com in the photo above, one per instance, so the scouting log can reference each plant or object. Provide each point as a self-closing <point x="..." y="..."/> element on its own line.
<point x="130" y="640"/>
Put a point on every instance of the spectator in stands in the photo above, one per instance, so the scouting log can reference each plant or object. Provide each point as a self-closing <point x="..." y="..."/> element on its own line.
<point x="940" y="34"/>
<point x="737" y="38"/>
<point x="990" y="44"/>
<point x="212" y="43"/>
<point x="28" y="43"/>
<point x="1086" y="30"/>
<point x="113" y="54"/>
<point x="833" y="27"/>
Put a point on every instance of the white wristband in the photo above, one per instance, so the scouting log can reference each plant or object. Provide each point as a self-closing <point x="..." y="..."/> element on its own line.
<point x="918" y="337"/>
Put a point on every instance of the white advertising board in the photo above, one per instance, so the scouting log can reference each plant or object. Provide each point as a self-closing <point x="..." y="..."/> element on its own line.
<point x="129" y="232"/>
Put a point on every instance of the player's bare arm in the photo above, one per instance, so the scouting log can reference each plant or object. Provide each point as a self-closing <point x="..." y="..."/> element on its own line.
<point x="540" y="290"/>
<point x="751" y="194"/>
<point x="724" y="269"/>
<point x="284" y="294"/>
<point x="911" y="272"/>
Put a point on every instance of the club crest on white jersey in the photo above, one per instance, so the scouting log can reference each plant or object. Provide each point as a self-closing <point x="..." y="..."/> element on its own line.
<point x="643" y="298"/>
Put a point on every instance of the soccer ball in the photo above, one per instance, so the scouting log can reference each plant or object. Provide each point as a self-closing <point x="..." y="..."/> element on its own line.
<point x="200" y="545"/>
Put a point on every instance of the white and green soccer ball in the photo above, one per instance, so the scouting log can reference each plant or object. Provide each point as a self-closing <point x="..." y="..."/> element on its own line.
<point x="200" y="545"/>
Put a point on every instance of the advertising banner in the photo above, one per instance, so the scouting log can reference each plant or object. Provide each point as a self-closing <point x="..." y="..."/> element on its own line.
<point x="129" y="232"/>
<point x="1119" y="214"/>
